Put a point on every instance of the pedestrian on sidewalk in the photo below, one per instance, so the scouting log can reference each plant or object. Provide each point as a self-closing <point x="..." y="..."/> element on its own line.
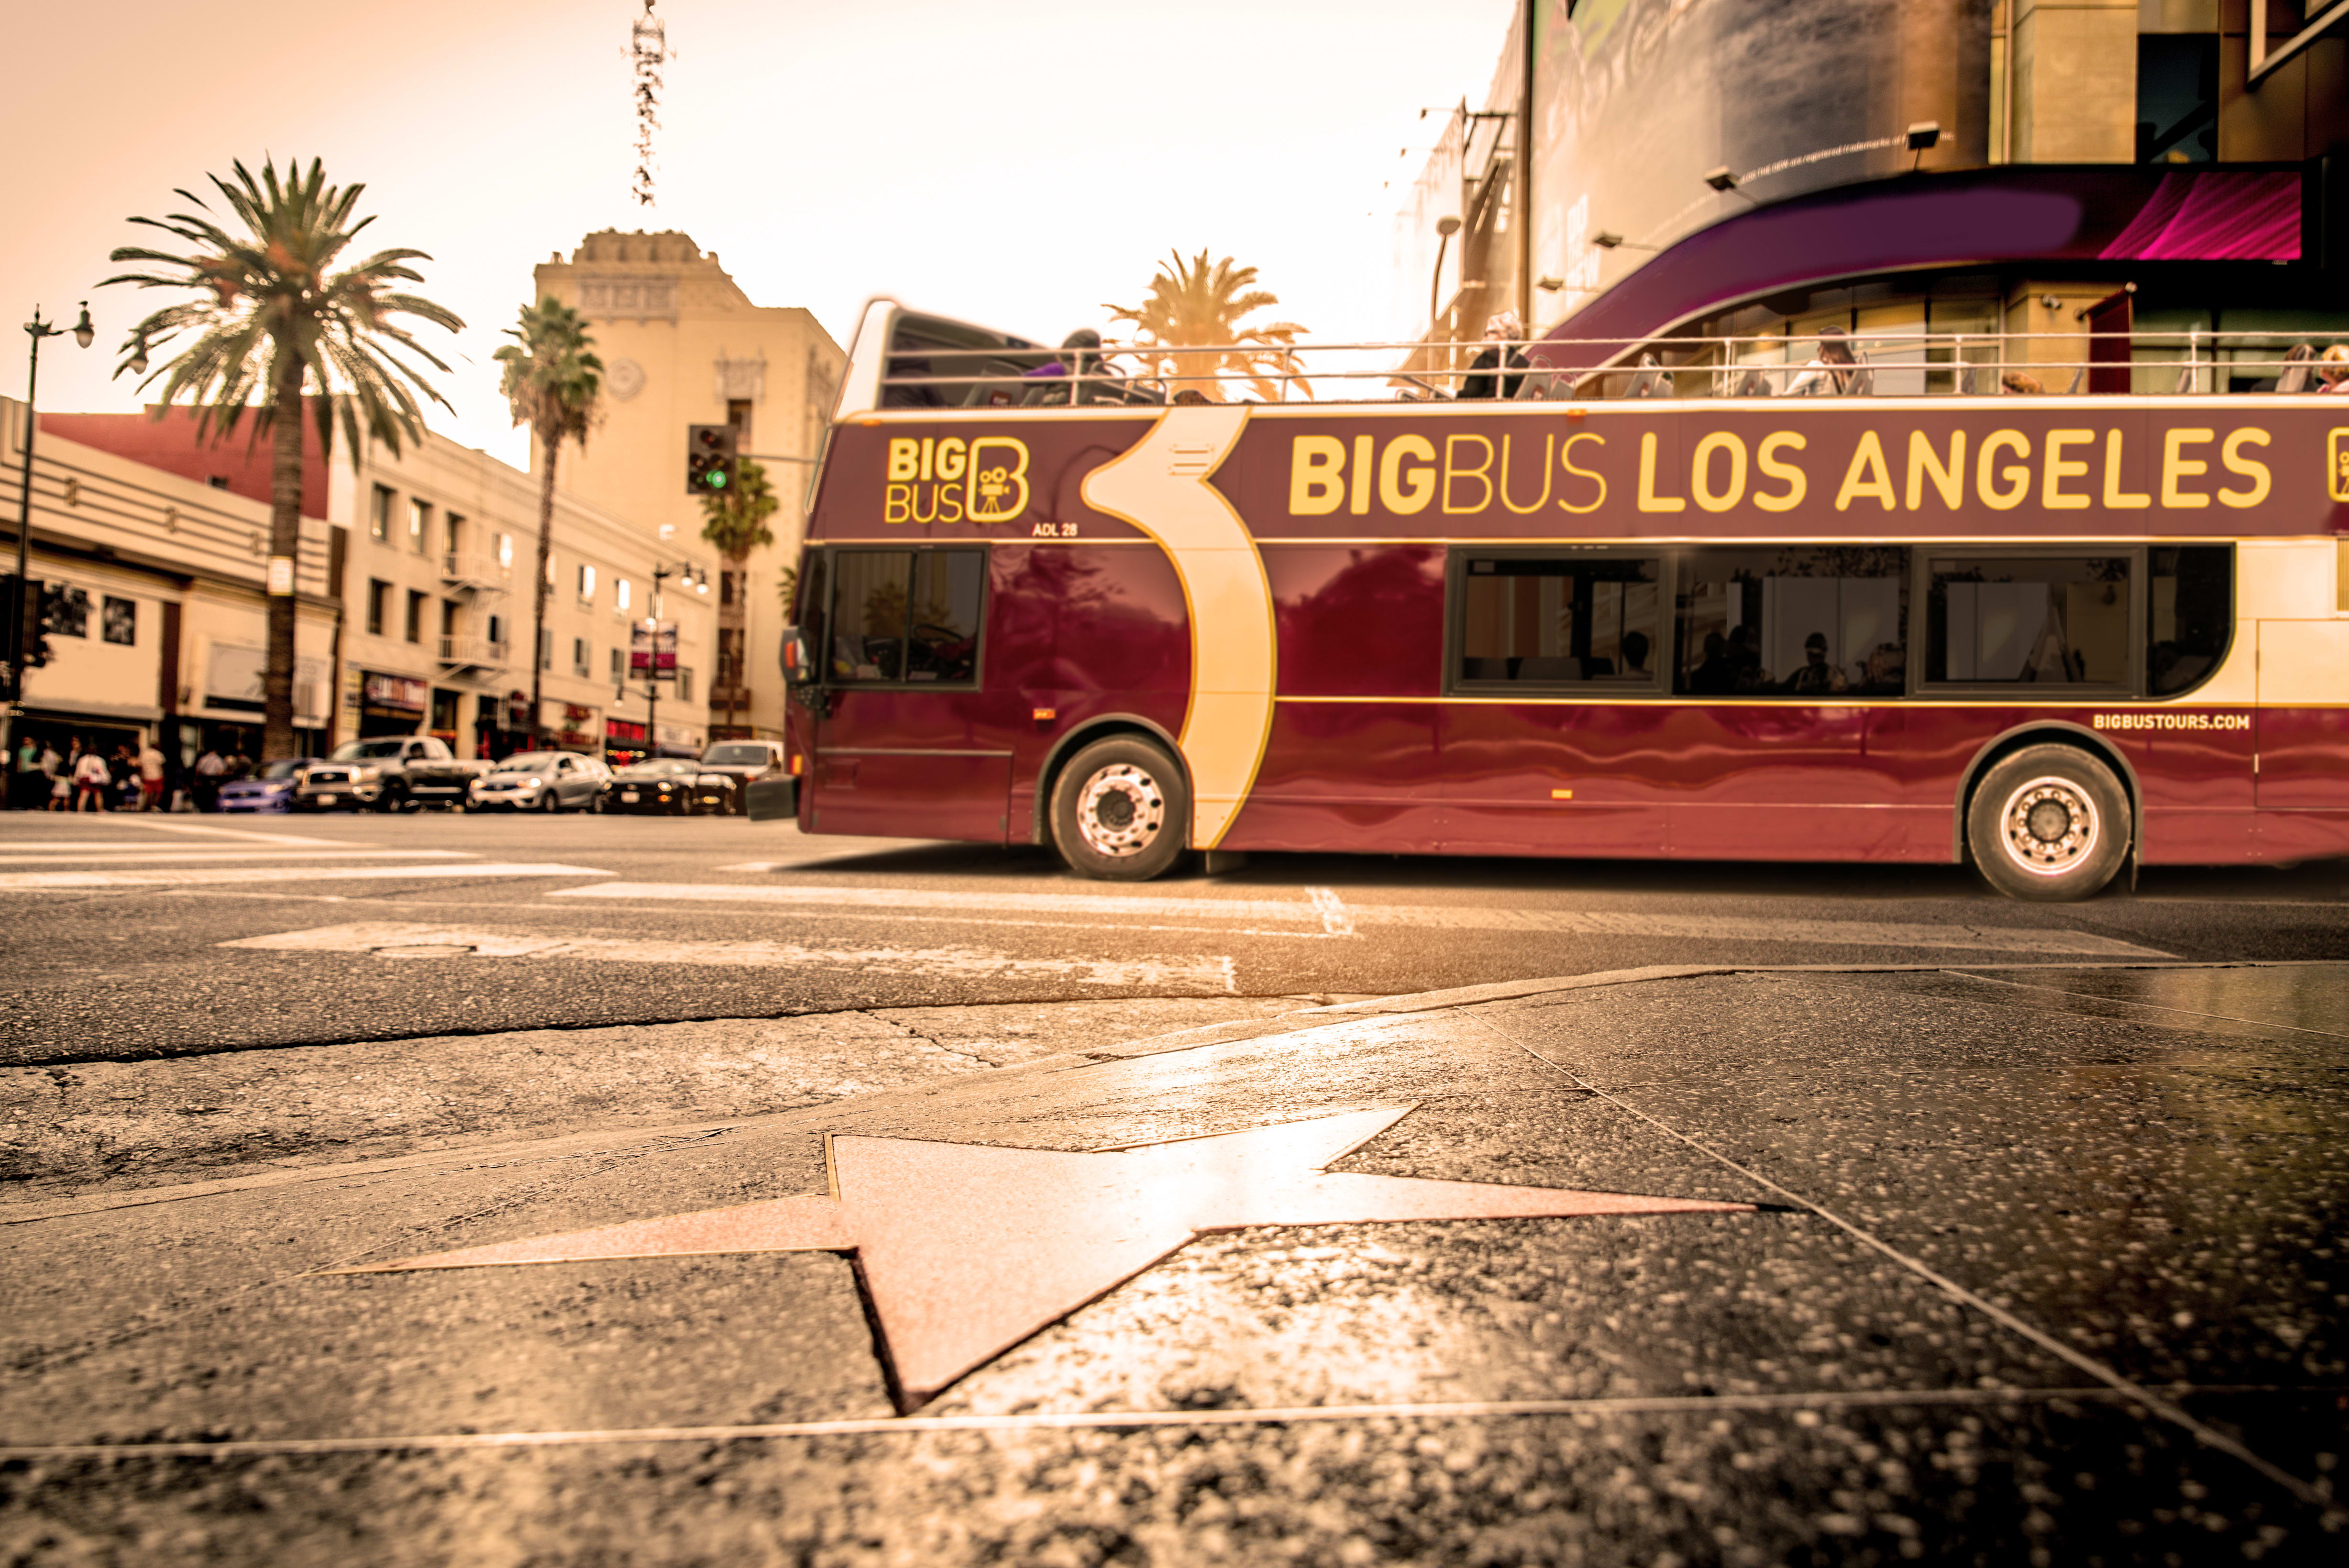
<point x="150" y="775"/>
<point x="22" y="779"/>
<point x="91" y="779"/>
<point x="124" y="768"/>
<point x="208" y="769"/>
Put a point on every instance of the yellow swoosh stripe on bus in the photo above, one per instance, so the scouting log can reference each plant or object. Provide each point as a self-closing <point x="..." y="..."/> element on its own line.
<point x="1160" y="486"/>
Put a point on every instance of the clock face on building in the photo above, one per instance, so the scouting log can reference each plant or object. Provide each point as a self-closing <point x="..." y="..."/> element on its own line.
<point x="625" y="379"/>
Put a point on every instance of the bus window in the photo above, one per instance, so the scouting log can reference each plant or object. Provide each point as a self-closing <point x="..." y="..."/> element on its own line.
<point x="2191" y="614"/>
<point x="1801" y="621"/>
<point x="2013" y="619"/>
<point x="1558" y="621"/>
<point x="904" y="616"/>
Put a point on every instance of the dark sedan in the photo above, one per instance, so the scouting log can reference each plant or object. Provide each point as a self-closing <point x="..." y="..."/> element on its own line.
<point x="741" y="764"/>
<point x="271" y="789"/>
<point x="662" y="787"/>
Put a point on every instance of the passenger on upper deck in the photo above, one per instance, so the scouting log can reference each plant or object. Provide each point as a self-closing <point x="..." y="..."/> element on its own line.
<point x="2333" y="369"/>
<point x="1835" y="370"/>
<point x="1500" y="332"/>
<point x="1080" y="355"/>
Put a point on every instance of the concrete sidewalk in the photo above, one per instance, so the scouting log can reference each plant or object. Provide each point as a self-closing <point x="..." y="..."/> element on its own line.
<point x="2027" y="1264"/>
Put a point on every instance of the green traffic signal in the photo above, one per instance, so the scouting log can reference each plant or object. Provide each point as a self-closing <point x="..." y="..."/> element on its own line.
<point x="717" y="479"/>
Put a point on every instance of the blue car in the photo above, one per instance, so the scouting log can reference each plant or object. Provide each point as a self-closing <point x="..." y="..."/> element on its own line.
<point x="271" y="789"/>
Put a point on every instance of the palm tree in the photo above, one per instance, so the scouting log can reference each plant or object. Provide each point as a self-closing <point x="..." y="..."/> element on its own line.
<point x="735" y="521"/>
<point x="551" y="382"/>
<point x="271" y="325"/>
<point x="1194" y="307"/>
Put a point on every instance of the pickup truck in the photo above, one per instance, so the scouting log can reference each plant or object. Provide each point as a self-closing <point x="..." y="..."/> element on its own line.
<point x="390" y="773"/>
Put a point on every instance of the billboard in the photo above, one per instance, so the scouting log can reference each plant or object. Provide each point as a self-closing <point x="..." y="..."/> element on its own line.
<point x="652" y="650"/>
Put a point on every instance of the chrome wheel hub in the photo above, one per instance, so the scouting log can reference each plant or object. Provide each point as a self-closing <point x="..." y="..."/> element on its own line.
<point x="1120" y="811"/>
<point x="2049" y="826"/>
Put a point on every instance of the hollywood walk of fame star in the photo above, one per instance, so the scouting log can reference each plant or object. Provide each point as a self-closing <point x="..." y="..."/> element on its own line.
<point x="965" y="1250"/>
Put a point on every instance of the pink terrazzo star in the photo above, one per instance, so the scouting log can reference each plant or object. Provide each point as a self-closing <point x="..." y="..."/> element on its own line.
<point x="966" y="1250"/>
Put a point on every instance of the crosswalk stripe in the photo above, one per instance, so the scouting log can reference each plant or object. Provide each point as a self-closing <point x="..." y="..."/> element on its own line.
<point x="168" y="877"/>
<point x="11" y="856"/>
<point x="415" y="942"/>
<point x="209" y="831"/>
<point x="1322" y="909"/>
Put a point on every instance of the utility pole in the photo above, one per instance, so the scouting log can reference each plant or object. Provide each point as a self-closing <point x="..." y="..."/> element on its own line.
<point x="19" y="612"/>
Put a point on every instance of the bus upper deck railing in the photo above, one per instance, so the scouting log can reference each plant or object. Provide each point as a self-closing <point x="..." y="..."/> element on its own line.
<point x="2173" y="363"/>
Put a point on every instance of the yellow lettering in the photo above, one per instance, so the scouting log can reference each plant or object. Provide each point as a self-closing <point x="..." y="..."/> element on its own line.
<point x="1925" y="462"/>
<point x="1766" y="458"/>
<point x="1548" y="441"/>
<point x="1566" y="462"/>
<point x="897" y="501"/>
<point x="931" y="491"/>
<point x="2056" y="468"/>
<point x="951" y="458"/>
<point x="2250" y="468"/>
<point x="1701" y="472"/>
<point x="2115" y="496"/>
<point x="2176" y="465"/>
<point x="2017" y="477"/>
<point x="1358" y="501"/>
<point x="1404" y="492"/>
<point x="987" y="492"/>
<point x="1480" y="474"/>
<point x="1315" y="463"/>
<point x="904" y="458"/>
<point x="949" y="504"/>
<point x="1648" y="500"/>
<point x="924" y="475"/>
<point x="1866" y="476"/>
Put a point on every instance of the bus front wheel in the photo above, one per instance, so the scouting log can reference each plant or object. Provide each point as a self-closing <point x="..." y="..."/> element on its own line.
<point x="2049" y="824"/>
<point x="1119" y="810"/>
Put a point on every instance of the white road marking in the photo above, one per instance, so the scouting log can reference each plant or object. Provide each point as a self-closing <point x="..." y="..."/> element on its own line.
<point x="12" y="856"/>
<point x="168" y="877"/>
<point x="1335" y="918"/>
<point x="416" y="941"/>
<point x="129" y="819"/>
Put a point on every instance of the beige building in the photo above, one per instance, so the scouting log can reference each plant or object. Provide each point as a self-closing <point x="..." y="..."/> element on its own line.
<point x="416" y="610"/>
<point x="682" y="345"/>
<point x="151" y="594"/>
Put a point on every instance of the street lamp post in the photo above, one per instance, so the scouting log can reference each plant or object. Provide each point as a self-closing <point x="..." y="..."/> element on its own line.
<point x="18" y="611"/>
<point x="687" y="577"/>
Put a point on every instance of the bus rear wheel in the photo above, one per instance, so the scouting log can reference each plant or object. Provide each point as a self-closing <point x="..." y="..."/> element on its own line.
<point x="1119" y="810"/>
<point x="2049" y="824"/>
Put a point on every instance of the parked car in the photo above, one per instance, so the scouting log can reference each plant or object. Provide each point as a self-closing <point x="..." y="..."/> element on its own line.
<point x="540" y="780"/>
<point x="388" y="773"/>
<point x="741" y="764"/>
<point x="663" y="786"/>
<point x="271" y="789"/>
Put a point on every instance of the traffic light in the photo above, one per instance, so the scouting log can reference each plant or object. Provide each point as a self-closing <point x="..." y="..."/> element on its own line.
<point x="709" y="459"/>
<point x="26" y="638"/>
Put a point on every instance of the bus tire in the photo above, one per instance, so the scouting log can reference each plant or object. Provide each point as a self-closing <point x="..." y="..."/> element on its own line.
<point x="1120" y="810"/>
<point x="2049" y="824"/>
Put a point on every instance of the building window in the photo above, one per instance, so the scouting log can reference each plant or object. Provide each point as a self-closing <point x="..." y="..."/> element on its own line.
<point x="120" y="622"/>
<point x="730" y="655"/>
<point x="620" y="667"/>
<point x="419" y="525"/>
<point x="379" y="599"/>
<point x="545" y="648"/>
<point x="498" y="630"/>
<point x="2178" y="98"/>
<point x="379" y="513"/>
<point x="414" y="628"/>
<point x="503" y="543"/>
<point x="455" y="532"/>
<point x="447" y="617"/>
<point x="587" y="585"/>
<point x="626" y="593"/>
<point x="738" y="414"/>
<point x="579" y="665"/>
<point x="684" y="684"/>
<point x="218" y="481"/>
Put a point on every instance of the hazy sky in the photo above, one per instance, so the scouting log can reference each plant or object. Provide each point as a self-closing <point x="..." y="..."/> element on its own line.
<point x="1013" y="163"/>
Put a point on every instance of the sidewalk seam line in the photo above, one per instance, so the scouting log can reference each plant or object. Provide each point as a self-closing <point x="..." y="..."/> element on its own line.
<point x="2126" y="1387"/>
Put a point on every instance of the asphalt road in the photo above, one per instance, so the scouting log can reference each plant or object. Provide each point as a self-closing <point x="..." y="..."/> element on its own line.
<point x="136" y="936"/>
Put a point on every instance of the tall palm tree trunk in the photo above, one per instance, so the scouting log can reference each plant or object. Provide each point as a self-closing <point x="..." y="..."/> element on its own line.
<point x="286" y="540"/>
<point x="551" y="444"/>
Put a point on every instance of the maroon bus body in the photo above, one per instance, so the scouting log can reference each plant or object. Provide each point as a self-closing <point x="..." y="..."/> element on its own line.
<point x="1091" y="628"/>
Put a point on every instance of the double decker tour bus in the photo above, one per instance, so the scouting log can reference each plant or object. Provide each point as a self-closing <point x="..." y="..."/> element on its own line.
<point x="2055" y="637"/>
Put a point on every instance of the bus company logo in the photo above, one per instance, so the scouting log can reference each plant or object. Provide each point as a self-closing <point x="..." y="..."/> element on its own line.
<point x="2173" y="721"/>
<point x="946" y="479"/>
<point x="2337" y="469"/>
